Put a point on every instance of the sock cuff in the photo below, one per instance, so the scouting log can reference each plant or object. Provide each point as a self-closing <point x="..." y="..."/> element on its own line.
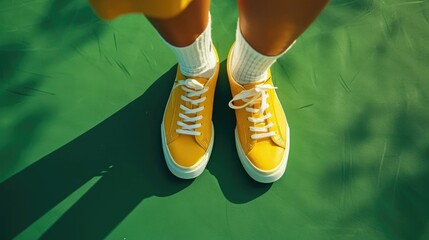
<point x="197" y="57"/>
<point x="247" y="64"/>
<point x="247" y="50"/>
<point x="242" y="42"/>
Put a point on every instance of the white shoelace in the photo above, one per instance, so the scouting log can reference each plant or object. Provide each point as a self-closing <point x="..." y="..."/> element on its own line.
<point x="192" y="88"/>
<point x="258" y="94"/>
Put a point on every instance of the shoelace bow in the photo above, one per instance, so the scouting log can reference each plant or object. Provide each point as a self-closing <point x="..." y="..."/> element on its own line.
<point x="250" y="97"/>
<point x="192" y="88"/>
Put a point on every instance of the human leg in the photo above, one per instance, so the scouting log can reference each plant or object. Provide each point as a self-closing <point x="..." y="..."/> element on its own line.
<point x="183" y="29"/>
<point x="265" y="31"/>
<point x="189" y="37"/>
<point x="187" y="131"/>
<point x="271" y="26"/>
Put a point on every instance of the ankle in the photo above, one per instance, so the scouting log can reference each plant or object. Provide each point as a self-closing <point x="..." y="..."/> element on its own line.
<point x="247" y="64"/>
<point x="199" y="58"/>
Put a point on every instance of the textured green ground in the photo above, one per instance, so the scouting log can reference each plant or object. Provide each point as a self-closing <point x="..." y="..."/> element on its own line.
<point x="81" y="102"/>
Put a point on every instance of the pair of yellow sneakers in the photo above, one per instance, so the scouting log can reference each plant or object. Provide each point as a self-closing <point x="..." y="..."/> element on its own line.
<point x="261" y="134"/>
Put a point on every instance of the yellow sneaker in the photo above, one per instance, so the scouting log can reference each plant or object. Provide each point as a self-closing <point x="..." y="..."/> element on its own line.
<point x="262" y="131"/>
<point x="187" y="130"/>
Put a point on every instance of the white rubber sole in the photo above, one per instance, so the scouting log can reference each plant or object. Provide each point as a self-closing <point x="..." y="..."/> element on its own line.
<point x="257" y="174"/>
<point x="186" y="172"/>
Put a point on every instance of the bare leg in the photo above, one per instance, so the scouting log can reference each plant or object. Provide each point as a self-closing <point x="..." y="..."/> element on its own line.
<point x="267" y="28"/>
<point x="183" y="29"/>
<point x="271" y="26"/>
<point x="187" y="132"/>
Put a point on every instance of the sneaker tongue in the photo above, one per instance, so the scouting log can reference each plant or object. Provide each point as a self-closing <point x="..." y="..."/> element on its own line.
<point x="252" y="85"/>
<point x="256" y="105"/>
<point x="201" y="80"/>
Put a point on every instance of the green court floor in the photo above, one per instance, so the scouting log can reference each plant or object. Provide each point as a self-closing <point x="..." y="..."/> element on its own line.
<point x="81" y="102"/>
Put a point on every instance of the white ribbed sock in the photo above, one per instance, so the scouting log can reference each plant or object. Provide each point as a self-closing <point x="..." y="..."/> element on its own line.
<point x="248" y="65"/>
<point x="199" y="58"/>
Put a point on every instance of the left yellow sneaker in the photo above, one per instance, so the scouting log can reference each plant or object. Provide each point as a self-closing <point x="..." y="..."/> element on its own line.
<point x="187" y="130"/>
<point x="262" y="131"/>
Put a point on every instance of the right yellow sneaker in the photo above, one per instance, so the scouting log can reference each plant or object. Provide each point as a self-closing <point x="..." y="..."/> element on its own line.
<point x="262" y="131"/>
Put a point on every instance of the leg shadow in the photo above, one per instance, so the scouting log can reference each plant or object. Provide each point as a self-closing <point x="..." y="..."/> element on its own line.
<point x="125" y="150"/>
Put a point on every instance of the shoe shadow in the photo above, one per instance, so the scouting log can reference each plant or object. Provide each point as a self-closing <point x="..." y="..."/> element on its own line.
<point x="224" y="163"/>
<point x="125" y="150"/>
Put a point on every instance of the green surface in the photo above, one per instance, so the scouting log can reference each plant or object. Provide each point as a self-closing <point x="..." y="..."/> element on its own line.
<point x="81" y="102"/>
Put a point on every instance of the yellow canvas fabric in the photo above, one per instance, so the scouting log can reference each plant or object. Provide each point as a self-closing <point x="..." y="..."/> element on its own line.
<point x="264" y="155"/>
<point x="110" y="9"/>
